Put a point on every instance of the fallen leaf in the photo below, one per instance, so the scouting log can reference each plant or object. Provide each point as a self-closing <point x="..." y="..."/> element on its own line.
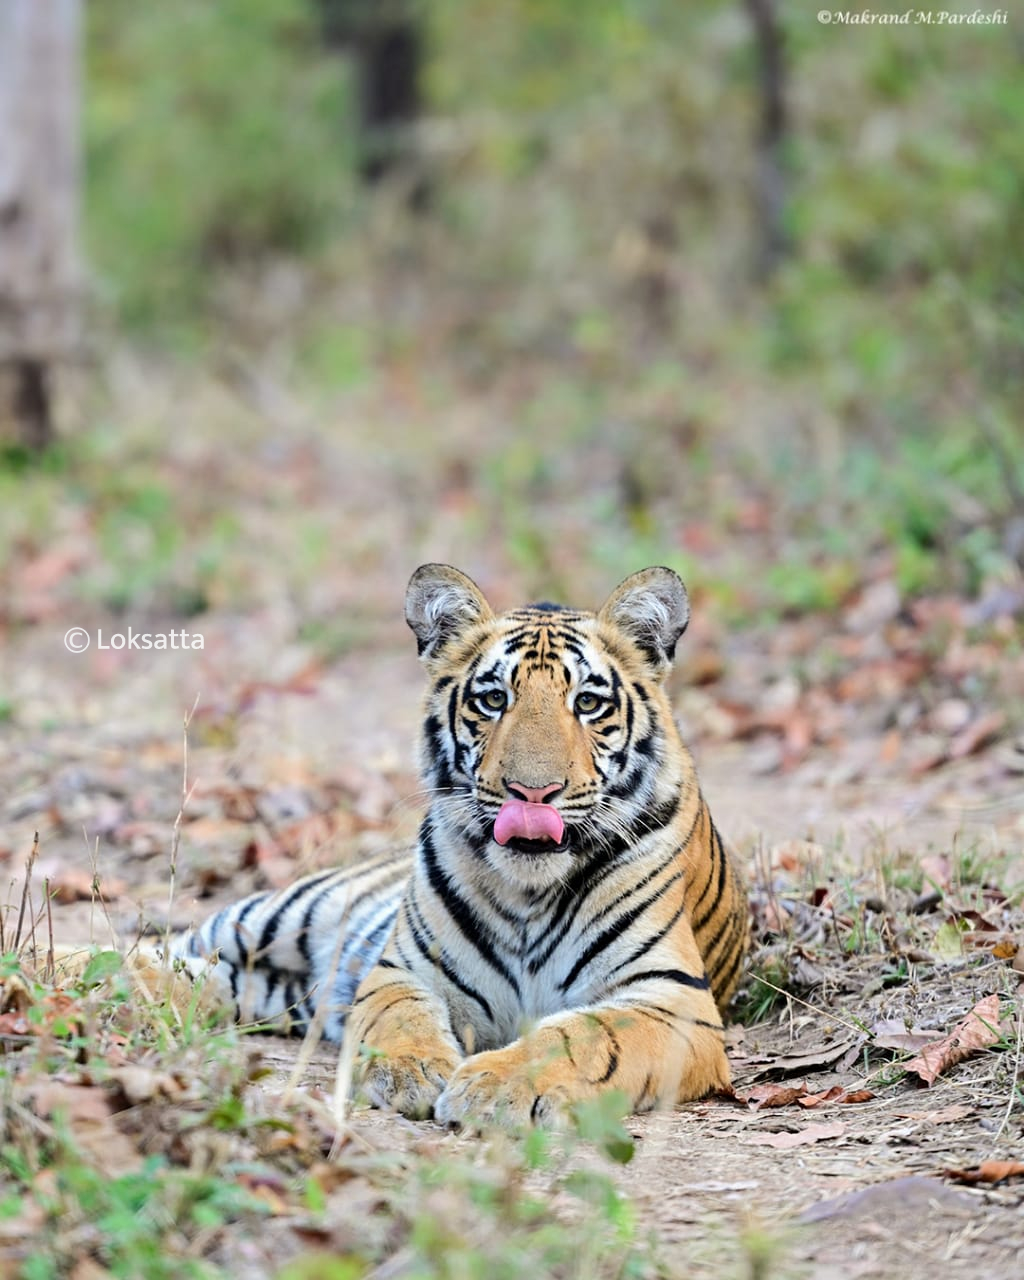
<point x="948" y="943"/>
<point x="936" y="869"/>
<point x="772" y="1095"/>
<point x="763" y="1096"/>
<point x="267" y="1187"/>
<point x="87" y="1269"/>
<point x="979" y="1030"/>
<point x="816" y="1099"/>
<point x="77" y="1102"/>
<point x="951" y="715"/>
<point x="792" y="1064"/>
<point x="75" y="884"/>
<point x="891" y="1033"/>
<point x="795" y="855"/>
<point x="880" y="1199"/>
<point x="140" y="1084"/>
<point x="890" y="748"/>
<point x="945" y="1115"/>
<point x="977" y="735"/>
<point x="801" y="1138"/>
<point x="14" y="1024"/>
<point x="988" y="1171"/>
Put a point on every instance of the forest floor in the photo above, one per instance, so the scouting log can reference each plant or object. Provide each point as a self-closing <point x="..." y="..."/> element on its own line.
<point x="865" y="762"/>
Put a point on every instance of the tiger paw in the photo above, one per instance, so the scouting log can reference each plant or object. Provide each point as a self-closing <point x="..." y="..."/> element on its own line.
<point x="480" y="1093"/>
<point x="405" y="1083"/>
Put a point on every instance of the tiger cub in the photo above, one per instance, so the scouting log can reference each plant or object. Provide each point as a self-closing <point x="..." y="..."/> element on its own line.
<point x="569" y="921"/>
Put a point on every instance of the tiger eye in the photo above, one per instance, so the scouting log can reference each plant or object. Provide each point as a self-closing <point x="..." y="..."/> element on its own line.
<point x="494" y="699"/>
<point x="587" y="702"/>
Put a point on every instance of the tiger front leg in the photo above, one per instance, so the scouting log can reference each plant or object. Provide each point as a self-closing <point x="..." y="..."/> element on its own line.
<point x="407" y="1053"/>
<point x="572" y="1057"/>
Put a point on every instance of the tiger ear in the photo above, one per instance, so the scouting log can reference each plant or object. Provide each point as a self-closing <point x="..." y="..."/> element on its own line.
<point x="440" y="603"/>
<point x="652" y="608"/>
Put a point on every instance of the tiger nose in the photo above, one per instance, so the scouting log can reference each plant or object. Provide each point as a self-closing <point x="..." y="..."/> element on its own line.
<point x="534" y="795"/>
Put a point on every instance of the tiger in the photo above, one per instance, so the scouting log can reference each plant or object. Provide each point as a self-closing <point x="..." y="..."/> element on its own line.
<point x="570" y="921"/>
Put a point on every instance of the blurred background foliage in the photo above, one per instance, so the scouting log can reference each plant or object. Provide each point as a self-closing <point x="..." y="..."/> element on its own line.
<point x="549" y="334"/>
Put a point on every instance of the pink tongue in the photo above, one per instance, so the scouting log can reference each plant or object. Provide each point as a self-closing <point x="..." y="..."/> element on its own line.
<point x="520" y="820"/>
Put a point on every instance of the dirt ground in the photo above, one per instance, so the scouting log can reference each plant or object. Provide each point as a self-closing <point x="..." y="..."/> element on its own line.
<point x="325" y="751"/>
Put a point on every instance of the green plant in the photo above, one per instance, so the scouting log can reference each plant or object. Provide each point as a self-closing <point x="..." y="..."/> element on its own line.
<point x="206" y="136"/>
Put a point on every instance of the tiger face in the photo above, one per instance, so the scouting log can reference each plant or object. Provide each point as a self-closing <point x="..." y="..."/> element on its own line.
<point x="548" y="738"/>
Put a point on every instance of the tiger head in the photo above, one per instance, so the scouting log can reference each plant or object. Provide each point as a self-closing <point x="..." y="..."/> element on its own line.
<point x="548" y="738"/>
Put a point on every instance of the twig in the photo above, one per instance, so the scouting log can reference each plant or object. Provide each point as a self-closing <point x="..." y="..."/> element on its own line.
<point x="26" y="889"/>
<point x="51" y="967"/>
<point x="832" y="1015"/>
<point x="342" y="1088"/>
<point x="323" y="1007"/>
<point x="96" y="892"/>
<point x="1014" y="1078"/>
<point x="186" y="793"/>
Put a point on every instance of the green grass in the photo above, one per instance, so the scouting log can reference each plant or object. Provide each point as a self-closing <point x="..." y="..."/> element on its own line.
<point x="148" y="1185"/>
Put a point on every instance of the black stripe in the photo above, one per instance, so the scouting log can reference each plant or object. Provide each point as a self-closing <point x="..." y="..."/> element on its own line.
<point x="614" y="930"/>
<point x="236" y="927"/>
<point x="585" y="880"/>
<point x="669" y="975"/>
<point x="419" y="929"/>
<point x="412" y="995"/>
<point x="653" y="939"/>
<point x="613" y="1053"/>
<point x="727" y="922"/>
<point x="701" y="810"/>
<point x="294" y="895"/>
<point x="724" y="979"/>
<point x="658" y="819"/>
<point x="384" y="986"/>
<point x="468" y="922"/>
<point x="723" y="867"/>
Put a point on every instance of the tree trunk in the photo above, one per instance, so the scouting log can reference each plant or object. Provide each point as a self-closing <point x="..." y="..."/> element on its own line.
<point x="39" y="175"/>
<point x="386" y="41"/>
<point x="770" y="181"/>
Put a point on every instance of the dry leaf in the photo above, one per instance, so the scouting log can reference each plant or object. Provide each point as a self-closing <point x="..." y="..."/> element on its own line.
<point x="816" y="1099"/>
<point x="75" y="1101"/>
<point x="977" y="735"/>
<point x="87" y="1269"/>
<point x="141" y="1084"/>
<point x="988" y="1171"/>
<point x="979" y="1030"/>
<point x="14" y="1024"/>
<point x="891" y="1033"/>
<point x="945" y="1115"/>
<point x="75" y="884"/>
<point x="936" y="869"/>
<point x="792" y="1064"/>
<point x="911" y="1191"/>
<point x="772" y="1095"/>
<point x="762" y="1096"/>
<point x="803" y="1137"/>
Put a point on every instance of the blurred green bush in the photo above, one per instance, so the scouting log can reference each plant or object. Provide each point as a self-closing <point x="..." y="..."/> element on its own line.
<point x="217" y="132"/>
<point x="592" y="231"/>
